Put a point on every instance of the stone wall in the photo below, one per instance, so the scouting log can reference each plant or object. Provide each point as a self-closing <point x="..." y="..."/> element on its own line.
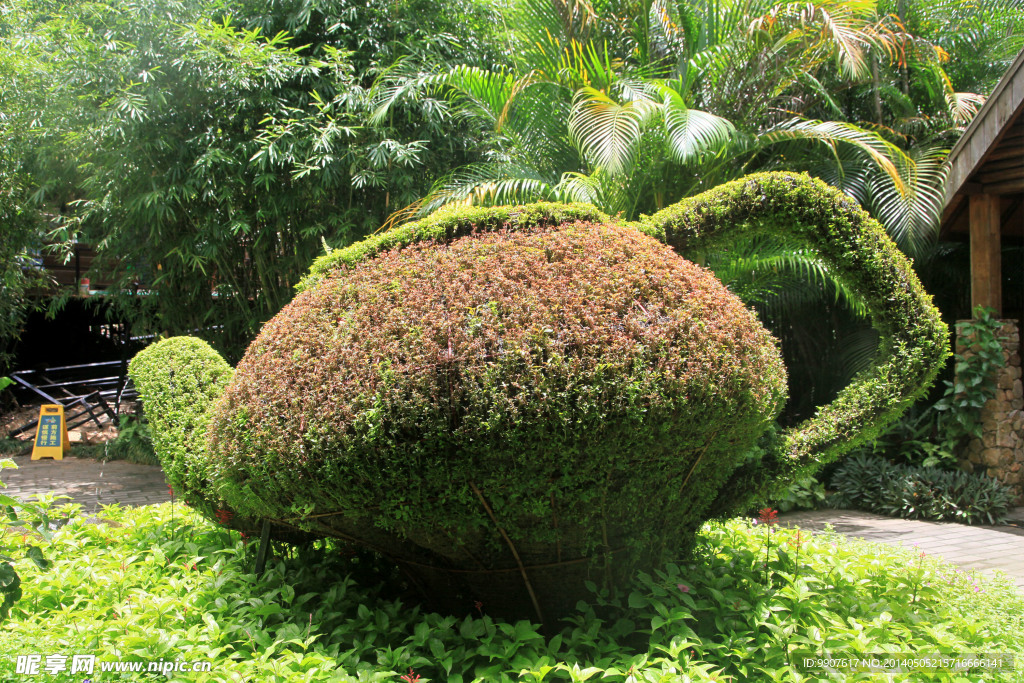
<point x="1000" y="451"/>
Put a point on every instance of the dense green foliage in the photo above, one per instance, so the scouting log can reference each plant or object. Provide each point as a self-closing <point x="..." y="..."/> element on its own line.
<point x="563" y="375"/>
<point x="877" y="485"/>
<point x="522" y="388"/>
<point x="10" y="447"/>
<point x="19" y="236"/>
<point x="18" y="516"/>
<point x="913" y="339"/>
<point x="181" y="588"/>
<point x="180" y="379"/>
<point x="632" y="105"/>
<point x="173" y="136"/>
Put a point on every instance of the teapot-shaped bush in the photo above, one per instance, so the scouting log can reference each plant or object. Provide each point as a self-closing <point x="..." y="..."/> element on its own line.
<point x="509" y="402"/>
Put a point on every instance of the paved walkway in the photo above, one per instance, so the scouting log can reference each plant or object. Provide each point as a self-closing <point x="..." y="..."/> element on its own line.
<point x="89" y="482"/>
<point x="985" y="548"/>
<point x="93" y="483"/>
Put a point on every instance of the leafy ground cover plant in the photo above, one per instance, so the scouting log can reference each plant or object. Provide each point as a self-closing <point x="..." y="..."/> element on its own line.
<point x="133" y="443"/>
<point x="806" y="493"/>
<point x="18" y="517"/>
<point x="148" y="585"/>
<point x="877" y="485"/>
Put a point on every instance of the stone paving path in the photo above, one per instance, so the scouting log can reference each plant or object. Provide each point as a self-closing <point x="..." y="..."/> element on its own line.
<point x="93" y="483"/>
<point x="90" y="482"/>
<point x="985" y="548"/>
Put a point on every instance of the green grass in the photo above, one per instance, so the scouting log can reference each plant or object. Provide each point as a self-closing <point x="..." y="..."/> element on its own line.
<point x="160" y="583"/>
<point x="9" y="447"/>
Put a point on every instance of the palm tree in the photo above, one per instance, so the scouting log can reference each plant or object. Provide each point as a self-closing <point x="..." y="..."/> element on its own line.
<point x="631" y="115"/>
<point x="632" y="105"/>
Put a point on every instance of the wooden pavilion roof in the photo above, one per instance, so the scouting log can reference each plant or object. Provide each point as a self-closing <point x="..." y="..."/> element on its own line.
<point x="989" y="160"/>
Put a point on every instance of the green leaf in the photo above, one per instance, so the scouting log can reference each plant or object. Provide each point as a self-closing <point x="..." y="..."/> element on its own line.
<point x="36" y="555"/>
<point x="608" y="132"/>
<point x="7" y="575"/>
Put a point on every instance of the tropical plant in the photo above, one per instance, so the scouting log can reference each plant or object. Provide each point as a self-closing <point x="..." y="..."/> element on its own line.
<point x="633" y="105"/>
<point x="979" y="357"/>
<point x="171" y="136"/>
<point x="25" y="517"/>
<point x="976" y="41"/>
<point x="877" y="485"/>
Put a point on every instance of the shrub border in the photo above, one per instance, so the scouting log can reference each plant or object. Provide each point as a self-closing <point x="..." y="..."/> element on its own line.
<point x="447" y="224"/>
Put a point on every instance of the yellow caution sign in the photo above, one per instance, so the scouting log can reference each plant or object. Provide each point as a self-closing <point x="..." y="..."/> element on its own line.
<point x="52" y="433"/>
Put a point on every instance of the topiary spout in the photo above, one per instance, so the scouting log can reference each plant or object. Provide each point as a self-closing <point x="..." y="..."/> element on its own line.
<point x="179" y="380"/>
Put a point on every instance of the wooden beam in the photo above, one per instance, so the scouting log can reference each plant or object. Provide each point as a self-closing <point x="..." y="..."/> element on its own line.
<point x="1002" y="164"/>
<point x="992" y="177"/>
<point x="986" y="273"/>
<point x="1009" y="187"/>
<point x="1007" y="152"/>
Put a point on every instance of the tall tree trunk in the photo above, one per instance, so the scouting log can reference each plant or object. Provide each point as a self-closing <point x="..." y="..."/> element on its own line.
<point x="877" y="96"/>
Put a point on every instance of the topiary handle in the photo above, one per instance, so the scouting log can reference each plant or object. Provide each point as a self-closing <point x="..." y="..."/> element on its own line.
<point x="914" y="341"/>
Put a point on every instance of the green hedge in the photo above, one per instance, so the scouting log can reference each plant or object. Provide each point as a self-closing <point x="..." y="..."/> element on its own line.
<point x="914" y="342"/>
<point x="179" y="379"/>
<point x="516" y="398"/>
<point x="448" y="224"/>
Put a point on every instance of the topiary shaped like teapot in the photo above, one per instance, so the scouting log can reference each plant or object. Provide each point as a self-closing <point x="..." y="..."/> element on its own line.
<point x="510" y="402"/>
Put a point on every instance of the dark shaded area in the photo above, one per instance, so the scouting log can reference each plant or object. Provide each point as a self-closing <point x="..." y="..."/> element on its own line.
<point x="81" y="331"/>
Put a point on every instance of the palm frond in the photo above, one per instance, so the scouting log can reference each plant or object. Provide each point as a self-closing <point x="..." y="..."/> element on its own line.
<point x="963" y="106"/>
<point x="544" y="29"/>
<point x="691" y="132"/>
<point x="481" y="92"/>
<point x="857" y="349"/>
<point x="773" y="272"/>
<point x="911" y="215"/>
<point x="488" y="184"/>
<point x="847" y="170"/>
<point x="886" y="156"/>
<point x="605" y="131"/>
<point x="604" y="191"/>
<point x="402" y="79"/>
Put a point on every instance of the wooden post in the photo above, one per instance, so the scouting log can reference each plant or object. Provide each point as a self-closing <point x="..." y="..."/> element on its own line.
<point x="261" y="554"/>
<point x="986" y="271"/>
